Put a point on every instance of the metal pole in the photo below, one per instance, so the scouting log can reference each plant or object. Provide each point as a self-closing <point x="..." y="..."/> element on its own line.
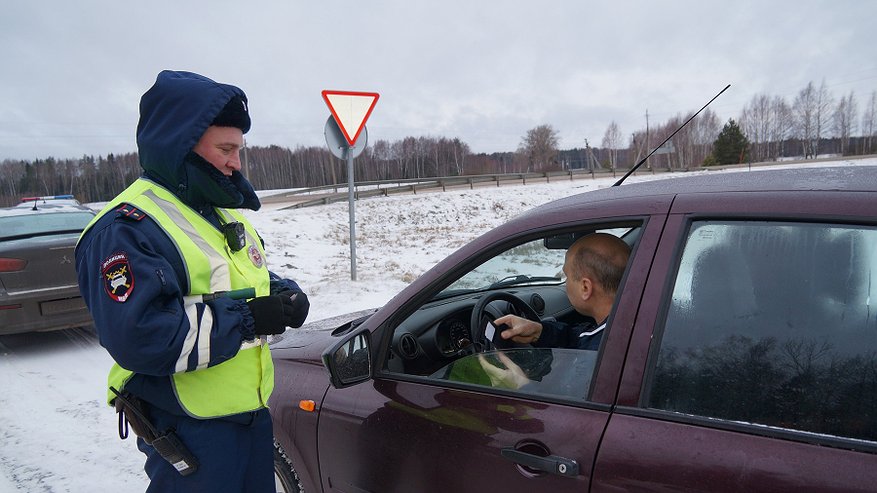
<point x="350" y="208"/>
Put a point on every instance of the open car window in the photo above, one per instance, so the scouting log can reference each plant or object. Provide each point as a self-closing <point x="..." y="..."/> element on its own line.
<point x="446" y="341"/>
<point x="538" y="261"/>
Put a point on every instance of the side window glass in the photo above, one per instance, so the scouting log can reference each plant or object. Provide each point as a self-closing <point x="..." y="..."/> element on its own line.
<point x="452" y="338"/>
<point x="774" y="324"/>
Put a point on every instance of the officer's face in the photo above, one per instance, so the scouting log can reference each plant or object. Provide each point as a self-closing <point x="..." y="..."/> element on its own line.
<point x="221" y="147"/>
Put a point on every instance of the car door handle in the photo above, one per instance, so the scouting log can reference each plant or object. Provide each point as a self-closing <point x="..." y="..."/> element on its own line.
<point x="552" y="463"/>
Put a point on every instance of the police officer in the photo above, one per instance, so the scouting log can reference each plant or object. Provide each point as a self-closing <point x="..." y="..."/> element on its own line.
<point x="153" y="266"/>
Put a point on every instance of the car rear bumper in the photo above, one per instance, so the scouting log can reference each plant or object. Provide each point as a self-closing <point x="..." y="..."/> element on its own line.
<point x="43" y="311"/>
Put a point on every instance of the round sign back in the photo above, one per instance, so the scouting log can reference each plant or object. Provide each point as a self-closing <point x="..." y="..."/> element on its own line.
<point x="338" y="144"/>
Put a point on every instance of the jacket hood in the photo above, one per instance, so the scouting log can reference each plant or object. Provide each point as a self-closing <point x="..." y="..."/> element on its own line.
<point x="174" y="113"/>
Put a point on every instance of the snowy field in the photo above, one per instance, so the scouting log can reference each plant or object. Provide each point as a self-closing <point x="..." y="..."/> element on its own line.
<point x="57" y="433"/>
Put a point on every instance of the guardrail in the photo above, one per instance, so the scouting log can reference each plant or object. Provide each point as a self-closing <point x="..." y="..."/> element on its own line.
<point x="365" y="189"/>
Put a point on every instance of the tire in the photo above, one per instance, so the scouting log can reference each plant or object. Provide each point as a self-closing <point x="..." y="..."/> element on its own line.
<point x="285" y="477"/>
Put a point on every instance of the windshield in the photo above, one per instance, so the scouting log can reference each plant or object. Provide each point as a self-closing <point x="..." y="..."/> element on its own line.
<point x="20" y="226"/>
<point x="536" y="262"/>
<point x="524" y="264"/>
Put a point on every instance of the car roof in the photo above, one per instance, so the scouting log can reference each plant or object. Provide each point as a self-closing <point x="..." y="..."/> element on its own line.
<point x="840" y="178"/>
<point x="48" y="208"/>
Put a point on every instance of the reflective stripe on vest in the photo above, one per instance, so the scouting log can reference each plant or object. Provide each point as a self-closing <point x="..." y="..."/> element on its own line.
<point x="244" y="382"/>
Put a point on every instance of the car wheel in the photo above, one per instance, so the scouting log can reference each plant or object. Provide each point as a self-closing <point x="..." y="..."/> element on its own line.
<point x="285" y="478"/>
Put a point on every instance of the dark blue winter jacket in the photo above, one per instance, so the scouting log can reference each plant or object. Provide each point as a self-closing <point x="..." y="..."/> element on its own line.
<point x="556" y="334"/>
<point x="144" y="333"/>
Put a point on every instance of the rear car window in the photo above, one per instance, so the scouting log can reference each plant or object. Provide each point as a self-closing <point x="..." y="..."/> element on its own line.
<point x="22" y="226"/>
<point x="773" y="323"/>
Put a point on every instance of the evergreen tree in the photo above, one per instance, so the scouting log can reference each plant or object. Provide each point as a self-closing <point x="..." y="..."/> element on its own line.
<point x="731" y="146"/>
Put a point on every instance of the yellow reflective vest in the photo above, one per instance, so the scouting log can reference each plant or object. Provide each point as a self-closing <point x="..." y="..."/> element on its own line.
<point x="244" y="382"/>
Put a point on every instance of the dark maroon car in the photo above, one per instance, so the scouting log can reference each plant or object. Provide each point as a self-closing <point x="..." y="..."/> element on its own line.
<point x="741" y="353"/>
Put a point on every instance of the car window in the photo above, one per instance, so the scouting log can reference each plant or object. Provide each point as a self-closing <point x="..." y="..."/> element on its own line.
<point x="23" y="225"/>
<point x="437" y="341"/>
<point x="539" y="371"/>
<point x="773" y="323"/>
<point x="530" y="262"/>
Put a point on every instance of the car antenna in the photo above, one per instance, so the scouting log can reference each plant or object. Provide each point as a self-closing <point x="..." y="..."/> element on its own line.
<point x="631" y="170"/>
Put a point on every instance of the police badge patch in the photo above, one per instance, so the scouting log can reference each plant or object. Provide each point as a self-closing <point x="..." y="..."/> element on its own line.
<point x="255" y="256"/>
<point x="117" y="276"/>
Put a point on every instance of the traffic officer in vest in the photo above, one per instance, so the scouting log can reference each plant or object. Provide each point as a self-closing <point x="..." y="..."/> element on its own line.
<point x="193" y="373"/>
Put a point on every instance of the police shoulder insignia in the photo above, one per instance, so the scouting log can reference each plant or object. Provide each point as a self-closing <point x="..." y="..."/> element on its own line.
<point x="255" y="256"/>
<point x="128" y="211"/>
<point x="118" y="277"/>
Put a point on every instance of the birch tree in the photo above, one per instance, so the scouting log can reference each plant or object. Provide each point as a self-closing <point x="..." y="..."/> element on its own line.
<point x="805" y="119"/>
<point x="844" y="121"/>
<point x="612" y="142"/>
<point x="869" y="123"/>
<point x="756" y="121"/>
<point x="824" y="114"/>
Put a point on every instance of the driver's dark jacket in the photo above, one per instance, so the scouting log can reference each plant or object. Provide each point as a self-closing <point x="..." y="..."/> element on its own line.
<point x="571" y="336"/>
<point x="144" y="334"/>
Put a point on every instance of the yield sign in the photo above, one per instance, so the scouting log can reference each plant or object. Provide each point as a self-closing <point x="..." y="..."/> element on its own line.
<point x="351" y="110"/>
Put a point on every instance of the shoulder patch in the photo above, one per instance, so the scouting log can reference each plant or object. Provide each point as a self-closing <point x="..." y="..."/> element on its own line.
<point x="255" y="256"/>
<point x="117" y="277"/>
<point x="130" y="212"/>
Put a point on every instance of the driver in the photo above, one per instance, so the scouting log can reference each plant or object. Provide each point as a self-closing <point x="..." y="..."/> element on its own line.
<point x="593" y="266"/>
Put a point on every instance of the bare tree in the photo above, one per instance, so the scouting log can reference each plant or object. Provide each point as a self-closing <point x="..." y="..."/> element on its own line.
<point x="783" y="124"/>
<point x="701" y="134"/>
<point x="805" y="119"/>
<point x="824" y="103"/>
<point x="756" y="122"/>
<point x="458" y="152"/>
<point x="539" y="146"/>
<point x="612" y="142"/>
<point x="845" y="121"/>
<point x="869" y="123"/>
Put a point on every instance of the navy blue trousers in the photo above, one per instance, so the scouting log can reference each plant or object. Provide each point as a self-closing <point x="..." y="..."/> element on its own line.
<point x="235" y="454"/>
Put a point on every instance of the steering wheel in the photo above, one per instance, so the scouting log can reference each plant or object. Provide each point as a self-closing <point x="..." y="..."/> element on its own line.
<point x="480" y="318"/>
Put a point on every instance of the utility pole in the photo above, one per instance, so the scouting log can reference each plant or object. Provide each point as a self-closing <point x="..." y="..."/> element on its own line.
<point x="648" y="141"/>
<point x="588" y="157"/>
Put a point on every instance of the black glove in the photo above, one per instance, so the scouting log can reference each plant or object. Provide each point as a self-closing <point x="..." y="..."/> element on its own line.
<point x="272" y="314"/>
<point x="301" y="306"/>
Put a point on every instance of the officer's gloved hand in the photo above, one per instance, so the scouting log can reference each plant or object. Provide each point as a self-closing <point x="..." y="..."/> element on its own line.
<point x="301" y="304"/>
<point x="272" y="314"/>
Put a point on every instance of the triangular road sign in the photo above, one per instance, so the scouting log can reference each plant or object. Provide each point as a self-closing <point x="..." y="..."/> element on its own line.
<point x="350" y="110"/>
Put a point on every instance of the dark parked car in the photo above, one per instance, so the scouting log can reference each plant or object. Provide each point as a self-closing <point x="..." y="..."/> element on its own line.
<point x="38" y="287"/>
<point x="741" y="353"/>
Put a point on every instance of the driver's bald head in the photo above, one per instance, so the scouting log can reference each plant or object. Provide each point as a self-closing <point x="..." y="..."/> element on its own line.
<point x="601" y="256"/>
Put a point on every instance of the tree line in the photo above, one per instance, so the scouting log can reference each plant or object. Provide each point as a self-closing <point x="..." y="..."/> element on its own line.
<point x="768" y="128"/>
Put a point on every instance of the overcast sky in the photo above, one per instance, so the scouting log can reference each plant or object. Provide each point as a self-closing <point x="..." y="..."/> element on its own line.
<point x="484" y="71"/>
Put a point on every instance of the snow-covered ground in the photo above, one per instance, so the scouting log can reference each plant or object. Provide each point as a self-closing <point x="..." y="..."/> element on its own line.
<point x="58" y="435"/>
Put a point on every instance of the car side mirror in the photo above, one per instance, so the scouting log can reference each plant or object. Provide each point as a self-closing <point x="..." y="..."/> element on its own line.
<point x="349" y="360"/>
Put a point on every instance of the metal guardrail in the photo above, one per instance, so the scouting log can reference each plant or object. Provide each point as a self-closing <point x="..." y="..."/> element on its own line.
<point x="413" y="185"/>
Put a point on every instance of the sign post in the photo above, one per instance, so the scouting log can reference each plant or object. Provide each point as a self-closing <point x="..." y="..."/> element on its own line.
<point x="350" y="110"/>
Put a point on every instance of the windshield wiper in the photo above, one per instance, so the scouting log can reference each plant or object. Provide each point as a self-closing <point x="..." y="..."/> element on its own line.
<point x="521" y="279"/>
<point x="449" y="293"/>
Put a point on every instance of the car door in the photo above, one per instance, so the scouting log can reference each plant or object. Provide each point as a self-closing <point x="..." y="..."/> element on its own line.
<point x="751" y="365"/>
<point x="405" y="432"/>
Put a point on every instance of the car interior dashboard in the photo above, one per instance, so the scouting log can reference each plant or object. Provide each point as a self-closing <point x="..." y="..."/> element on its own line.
<point x="439" y="332"/>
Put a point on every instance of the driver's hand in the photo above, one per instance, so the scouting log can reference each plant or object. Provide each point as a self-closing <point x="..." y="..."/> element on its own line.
<point x="520" y="329"/>
<point x="510" y="377"/>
